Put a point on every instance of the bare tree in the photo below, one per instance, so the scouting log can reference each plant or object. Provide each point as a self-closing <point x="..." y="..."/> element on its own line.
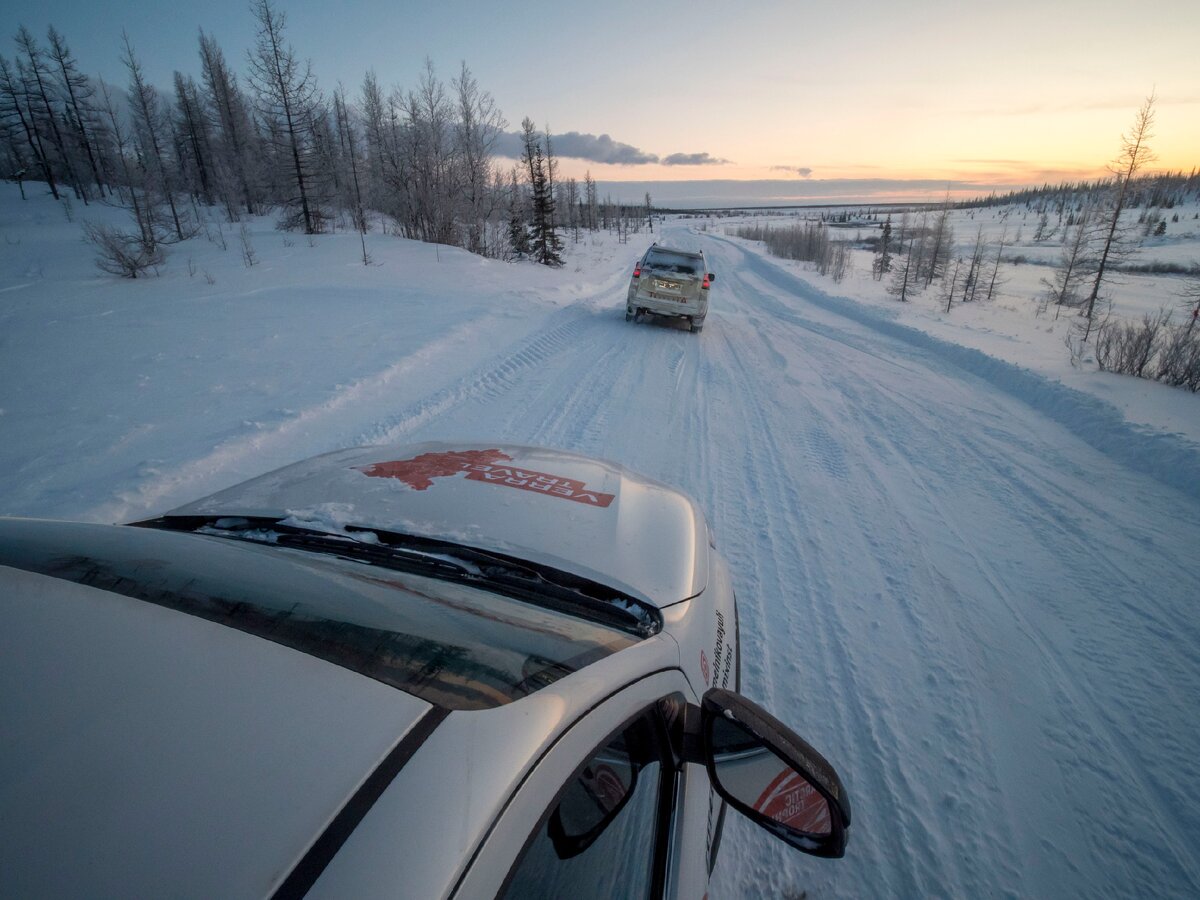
<point x="195" y="152"/>
<point x="479" y="126"/>
<point x="350" y="147"/>
<point x="1074" y="265"/>
<point x="1135" y="154"/>
<point x="951" y="284"/>
<point x="13" y="104"/>
<point x="904" y="276"/>
<point x="974" y="267"/>
<point x="373" y="108"/>
<point x="121" y="253"/>
<point x="918" y="249"/>
<point x="77" y="91"/>
<point x="429" y="163"/>
<point x="149" y="129"/>
<point x="1191" y="303"/>
<point x="590" y="200"/>
<point x="36" y="74"/>
<point x="942" y="242"/>
<point x="574" y="208"/>
<point x="285" y="93"/>
<point x="236" y="135"/>
<point x="994" y="280"/>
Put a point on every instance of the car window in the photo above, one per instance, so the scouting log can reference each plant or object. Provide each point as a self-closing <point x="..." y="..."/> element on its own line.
<point x="600" y="838"/>
<point x="678" y="263"/>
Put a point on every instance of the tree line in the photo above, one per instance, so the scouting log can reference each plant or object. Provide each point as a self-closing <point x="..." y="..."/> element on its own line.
<point x="421" y="162"/>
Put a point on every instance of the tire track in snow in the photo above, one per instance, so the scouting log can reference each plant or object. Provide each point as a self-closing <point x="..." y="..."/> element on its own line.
<point x="487" y="383"/>
<point x="866" y="731"/>
<point x="310" y="431"/>
<point x="931" y="427"/>
<point x="1111" y="754"/>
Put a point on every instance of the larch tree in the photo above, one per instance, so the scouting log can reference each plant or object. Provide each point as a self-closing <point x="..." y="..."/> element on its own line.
<point x="150" y="133"/>
<point x="1135" y="155"/>
<point x="941" y="244"/>
<point x="904" y="277"/>
<point x="195" y="151"/>
<point x="349" y="144"/>
<point x="591" y="201"/>
<point x="234" y="131"/>
<point x="77" y="92"/>
<point x="13" y="107"/>
<point x="1075" y="263"/>
<point x="286" y="92"/>
<point x="994" y="278"/>
<point x="35" y="72"/>
<point x="373" y="109"/>
<point x="974" y="268"/>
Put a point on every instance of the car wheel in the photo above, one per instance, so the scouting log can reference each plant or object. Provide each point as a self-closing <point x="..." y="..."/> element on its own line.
<point x="628" y="316"/>
<point x="697" y="325"/>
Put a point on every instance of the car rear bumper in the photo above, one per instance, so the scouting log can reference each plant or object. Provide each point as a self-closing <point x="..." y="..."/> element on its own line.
<point x="686" y="308"/>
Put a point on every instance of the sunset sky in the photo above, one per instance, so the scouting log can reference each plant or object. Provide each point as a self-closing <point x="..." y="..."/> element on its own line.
<point x="1011" y="93"/>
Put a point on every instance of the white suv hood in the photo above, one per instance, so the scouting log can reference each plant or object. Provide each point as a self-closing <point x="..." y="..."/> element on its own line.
<point x="583" y="515"/>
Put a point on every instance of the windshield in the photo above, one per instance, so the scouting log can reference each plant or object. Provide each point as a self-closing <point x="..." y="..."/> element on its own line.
<point x="451" y="644"/>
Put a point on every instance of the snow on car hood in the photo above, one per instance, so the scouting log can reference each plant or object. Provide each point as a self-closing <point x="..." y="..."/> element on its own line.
<point x="587" y="516"/>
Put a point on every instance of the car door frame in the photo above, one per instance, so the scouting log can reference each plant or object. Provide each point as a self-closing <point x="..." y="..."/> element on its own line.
<point x="539" y="790"/>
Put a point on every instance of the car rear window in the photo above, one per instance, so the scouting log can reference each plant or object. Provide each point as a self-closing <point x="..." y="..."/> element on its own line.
<point x="454" y="645"/>
<point x="676" y="263"/>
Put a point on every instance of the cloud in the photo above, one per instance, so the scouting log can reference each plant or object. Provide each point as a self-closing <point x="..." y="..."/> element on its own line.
<point x="802" y="171"/>
<point x="601" y="148"/>
<point x="596" y="148"/>
<point x="692" y="159"/>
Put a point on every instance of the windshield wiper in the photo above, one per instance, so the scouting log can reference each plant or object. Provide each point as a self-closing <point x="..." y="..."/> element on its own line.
<point x="541" y="585"/>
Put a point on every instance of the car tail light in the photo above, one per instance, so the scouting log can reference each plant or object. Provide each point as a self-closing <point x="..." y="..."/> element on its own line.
<point x="705" y="285"/>
<point x="637" y="270"/>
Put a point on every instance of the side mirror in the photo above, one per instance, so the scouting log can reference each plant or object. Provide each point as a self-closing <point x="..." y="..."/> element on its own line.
<point x="591" y="800"/>
<point x="772" y="776"/>
<point x="712" y="277"/>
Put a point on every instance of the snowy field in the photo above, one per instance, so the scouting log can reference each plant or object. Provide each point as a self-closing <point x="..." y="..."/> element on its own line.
<point x="968" y="573"/>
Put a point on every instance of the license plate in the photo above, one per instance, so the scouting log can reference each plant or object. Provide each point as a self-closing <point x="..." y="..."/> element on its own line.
<point x="666" y="285"/>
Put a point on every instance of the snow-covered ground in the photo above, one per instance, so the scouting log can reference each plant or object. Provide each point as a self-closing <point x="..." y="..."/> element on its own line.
<point x="1010" y="326"/>
<point x="965" y="574"/>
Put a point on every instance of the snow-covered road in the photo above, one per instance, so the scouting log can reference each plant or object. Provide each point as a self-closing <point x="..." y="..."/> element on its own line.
<point x="973" y="590"/>
<point x="986" y="622"/>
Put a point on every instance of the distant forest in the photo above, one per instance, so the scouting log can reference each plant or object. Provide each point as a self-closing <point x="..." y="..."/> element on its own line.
<point x="1163" y="191"/>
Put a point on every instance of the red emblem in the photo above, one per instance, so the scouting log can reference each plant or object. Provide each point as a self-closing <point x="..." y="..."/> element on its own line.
<point x="484" y="465"/>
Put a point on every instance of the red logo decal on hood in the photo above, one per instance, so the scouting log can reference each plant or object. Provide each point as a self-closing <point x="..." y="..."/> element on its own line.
<point x="484" y="465"/>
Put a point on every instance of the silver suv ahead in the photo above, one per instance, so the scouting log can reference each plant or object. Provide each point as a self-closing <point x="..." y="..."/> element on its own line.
<point x="669" y="282"/>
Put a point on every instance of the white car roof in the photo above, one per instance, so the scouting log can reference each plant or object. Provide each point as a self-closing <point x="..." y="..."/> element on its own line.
<point x="586" y="516"/>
